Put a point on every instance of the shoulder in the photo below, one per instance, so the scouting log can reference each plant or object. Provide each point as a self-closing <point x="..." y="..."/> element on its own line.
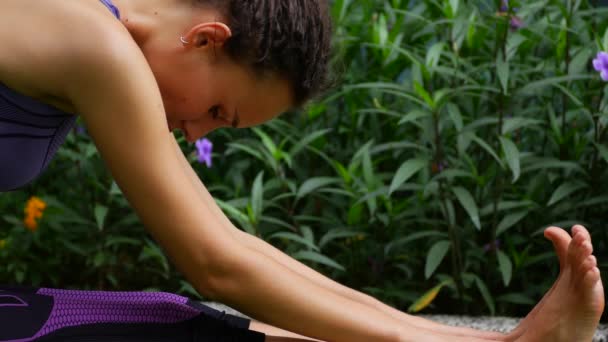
<point x="47" y="45"/>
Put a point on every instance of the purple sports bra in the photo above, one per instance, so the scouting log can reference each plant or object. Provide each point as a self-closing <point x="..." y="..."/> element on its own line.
<point x="30" y="133"/>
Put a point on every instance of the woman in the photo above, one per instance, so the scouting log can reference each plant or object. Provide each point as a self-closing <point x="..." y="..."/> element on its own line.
<point x="198" y="65"/>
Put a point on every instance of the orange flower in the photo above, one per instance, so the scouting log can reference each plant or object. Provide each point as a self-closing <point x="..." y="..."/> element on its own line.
<point x="34" y="209"/>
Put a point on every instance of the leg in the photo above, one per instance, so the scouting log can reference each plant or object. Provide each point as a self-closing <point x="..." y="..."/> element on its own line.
<point x="274" y="334"/>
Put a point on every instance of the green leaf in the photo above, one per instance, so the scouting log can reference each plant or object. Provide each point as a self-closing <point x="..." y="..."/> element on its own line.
<point x="310" y="138"/>
<point x="485" y="294"/>
<point x="115" y="190"/>
<point x="368" y="169"/>
<point x="435" y="256"/>
<point x="502" y="69"/>
<point x="294" y="237"/>
<point x="405" y="171"/>
<point x="486" y="147"/>
<point x="472" y="40"/>
<point x="512" y="155"/>
<point x="423" y="94"/>
<point x="551" y="163"/>
<point x="257" y="197"/>
<point x="509" y="221"/>
<point x="427" y="298"/>
<point x="434" y="55"/>
<point x="237" y="215"/>
<point x="337" y="233"/>
<point x="454" y="6"/>
<point x="532" y="87"/>
<point x="119" y="240"/>
<point x="455" y="116"/>
<point x="99" y="259"/>
<point x="19" y="276"/>
<point x="382" y="30"/>
<point x="604" y="44"/>
<point x="505" y="266"/>
<point x="266" y="140"/>
<point x="346" y="176"/>
<point x="245" y="148"/>
<point x="515" y="123"/>
<point x="602" y="150"/>
<point x="468" y="203"/>
<point x="313" y="184"/>
<point x="100" y="215"/>
<point x="410" y="238"/>
<point x="413" y="116"/>
<point x="355" y="214"/>
<point x="564" y="190"/>
<point x="319" y="258"/>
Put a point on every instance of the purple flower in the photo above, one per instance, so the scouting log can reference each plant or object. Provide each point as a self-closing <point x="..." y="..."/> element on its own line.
<point x="600" y="63"/>
<point x="204" y="148"/>
<point x="504" y="5"/>
<point x="492" y="246"/>
<point x="516" y="23"/>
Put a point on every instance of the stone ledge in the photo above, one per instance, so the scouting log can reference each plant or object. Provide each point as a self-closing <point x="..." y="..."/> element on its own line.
<point x="502" y="324"/>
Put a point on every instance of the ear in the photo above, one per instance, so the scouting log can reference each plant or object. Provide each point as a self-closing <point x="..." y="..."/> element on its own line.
<point x="210" y="34"/>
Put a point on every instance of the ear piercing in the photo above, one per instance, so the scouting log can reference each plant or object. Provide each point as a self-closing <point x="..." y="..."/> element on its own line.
<point x="184" y="41"/>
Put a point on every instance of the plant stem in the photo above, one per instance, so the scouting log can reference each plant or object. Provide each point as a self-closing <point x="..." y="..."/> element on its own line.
<point x="562" y="148"/>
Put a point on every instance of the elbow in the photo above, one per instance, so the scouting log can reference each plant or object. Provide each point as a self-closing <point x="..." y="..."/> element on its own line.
<point x="222" y="278"/>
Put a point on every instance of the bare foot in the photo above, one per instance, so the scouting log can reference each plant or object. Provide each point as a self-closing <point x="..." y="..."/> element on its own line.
<point x="572" y="309"/>
<point x="560" y="239"/>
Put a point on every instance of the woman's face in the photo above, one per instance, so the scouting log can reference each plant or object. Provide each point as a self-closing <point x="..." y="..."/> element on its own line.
<point x="203" y="89"/>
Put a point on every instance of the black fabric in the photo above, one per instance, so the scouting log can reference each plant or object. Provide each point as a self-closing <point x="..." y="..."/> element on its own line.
<point x="199" y="329"/>
<point x="233" y="320"/>
<point x="25" y="311"/>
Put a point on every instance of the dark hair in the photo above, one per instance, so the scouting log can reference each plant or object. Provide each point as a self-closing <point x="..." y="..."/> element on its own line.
<point x="289" y="37"/>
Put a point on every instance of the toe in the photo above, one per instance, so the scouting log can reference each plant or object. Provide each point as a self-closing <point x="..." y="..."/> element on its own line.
<point x="591" y="277"/>
<point x="573" y="250"/>
<point x="581" y="256"/>
<point x="578" y="250"/>
<point x="582" y="231"/>
<point x="560" y="239"/>
<point x="589" y="263"/>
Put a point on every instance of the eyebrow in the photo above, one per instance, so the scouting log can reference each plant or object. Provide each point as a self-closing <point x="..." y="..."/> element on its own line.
<point x="237" y="120"/>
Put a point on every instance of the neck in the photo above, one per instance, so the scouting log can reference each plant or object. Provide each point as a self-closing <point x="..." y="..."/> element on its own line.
<point x="147" y="18"/>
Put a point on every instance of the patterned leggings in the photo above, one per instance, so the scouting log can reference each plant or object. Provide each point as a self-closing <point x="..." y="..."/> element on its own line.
<point x="49" y="315"/>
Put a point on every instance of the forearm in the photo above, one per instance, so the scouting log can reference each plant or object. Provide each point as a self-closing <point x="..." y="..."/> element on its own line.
<point x="303" y="270"/>
<point x="263" y="289"/>
<point x="406" y="320"/>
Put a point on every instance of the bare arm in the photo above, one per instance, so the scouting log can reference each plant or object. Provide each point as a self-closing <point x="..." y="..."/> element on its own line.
<point x="123" y="111"/>
<point x="261" y="246"/>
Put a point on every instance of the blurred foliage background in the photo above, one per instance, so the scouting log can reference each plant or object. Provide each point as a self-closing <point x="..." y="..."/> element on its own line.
<point x="457" y="131"/>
